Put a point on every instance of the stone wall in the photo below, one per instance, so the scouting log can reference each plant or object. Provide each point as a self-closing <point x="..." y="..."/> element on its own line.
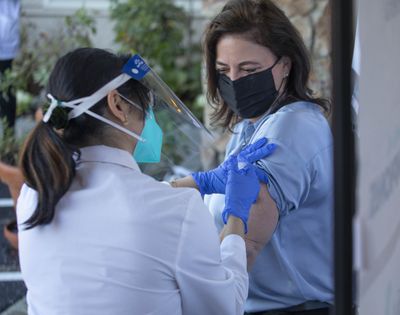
<point x="312" y="19"/>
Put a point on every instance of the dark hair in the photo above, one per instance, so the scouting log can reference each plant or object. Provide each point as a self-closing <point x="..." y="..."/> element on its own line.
<point x="264" y="23"/>
<point x="47" y="159"/>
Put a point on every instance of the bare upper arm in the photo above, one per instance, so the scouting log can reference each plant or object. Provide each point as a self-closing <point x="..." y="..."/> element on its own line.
<point x="261" y="225"/>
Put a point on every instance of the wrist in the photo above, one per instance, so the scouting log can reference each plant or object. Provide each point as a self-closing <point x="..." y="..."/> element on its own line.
<point x="236" y="225"/>
<point x="228" y="215"/>
<point x="199" y="180"/>
<point x="174" y="183"/>
<point x="187" y="181"/>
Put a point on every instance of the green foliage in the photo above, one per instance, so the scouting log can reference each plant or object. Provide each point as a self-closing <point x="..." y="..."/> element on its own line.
<point x="31" y="69"/>
<point x="159" y="31"/>
<point x="9" y="145"/>
<point x="38" y="54"/>
<point x="25" y="101"/>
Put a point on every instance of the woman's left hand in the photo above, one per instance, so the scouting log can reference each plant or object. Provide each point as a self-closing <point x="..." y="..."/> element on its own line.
<point x="214" y="181"/>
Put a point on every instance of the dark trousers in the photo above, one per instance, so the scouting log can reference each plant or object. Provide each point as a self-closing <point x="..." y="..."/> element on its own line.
<point x="322" y="311"/>
<point x="297" y="310"/>
<point x="306" y="308"/>
<point x="8" y="104"/>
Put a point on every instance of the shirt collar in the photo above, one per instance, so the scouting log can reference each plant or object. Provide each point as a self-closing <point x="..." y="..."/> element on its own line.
<point x="105" y="154"/>
<point x="249" y="127"/>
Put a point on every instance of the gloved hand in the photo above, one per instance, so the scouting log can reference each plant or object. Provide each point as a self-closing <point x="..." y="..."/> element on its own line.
<point x="214" y="181"/>
<point x="242" y="188"/>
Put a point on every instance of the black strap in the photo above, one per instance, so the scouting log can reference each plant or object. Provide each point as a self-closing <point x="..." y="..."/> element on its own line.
<point x="309" y="307"/>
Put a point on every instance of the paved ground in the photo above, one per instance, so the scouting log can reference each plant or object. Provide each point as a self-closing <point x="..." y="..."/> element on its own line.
<point x="10" y="291"/>
<point x="18" y="308"/>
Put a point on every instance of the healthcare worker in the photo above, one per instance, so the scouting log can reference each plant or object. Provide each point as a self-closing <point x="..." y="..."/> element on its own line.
<point x="257" y="71"/>
<point x="97" y="236"/>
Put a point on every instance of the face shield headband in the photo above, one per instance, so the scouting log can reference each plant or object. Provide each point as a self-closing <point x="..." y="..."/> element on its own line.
<point x="137" y="69"/>
<point x="175" y="120"/>
<point x="83" y="105"/>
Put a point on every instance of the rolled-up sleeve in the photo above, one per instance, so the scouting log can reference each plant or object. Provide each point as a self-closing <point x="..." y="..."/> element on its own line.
<point x="289" y="178"/>
<point x="299" y="136"/>
<point x="211" y="277"/>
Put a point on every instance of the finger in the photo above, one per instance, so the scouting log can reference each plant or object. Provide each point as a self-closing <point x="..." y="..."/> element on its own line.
<point x="232" y="163"/>
<point x="254" y="146"/>
<point x="259" y="143"/>
<point x="271" y="147"/>
<point x="261" y="175"/>
<point x="261" y="153"/>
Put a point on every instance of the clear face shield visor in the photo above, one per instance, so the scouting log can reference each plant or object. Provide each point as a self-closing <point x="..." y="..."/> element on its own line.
<point x="184" y="137"/>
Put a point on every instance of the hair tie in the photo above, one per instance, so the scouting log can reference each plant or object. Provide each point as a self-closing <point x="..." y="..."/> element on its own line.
<point x="54" y="103"/>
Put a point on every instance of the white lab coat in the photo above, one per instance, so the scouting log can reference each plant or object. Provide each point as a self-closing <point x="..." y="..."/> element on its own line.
<point x="122" y="243"/>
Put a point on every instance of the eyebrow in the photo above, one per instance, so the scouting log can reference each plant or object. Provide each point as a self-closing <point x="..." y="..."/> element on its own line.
<point x="243" y="63"/>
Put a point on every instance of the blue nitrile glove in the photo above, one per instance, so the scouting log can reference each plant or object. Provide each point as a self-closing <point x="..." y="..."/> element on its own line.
<point x="214" y="181"/>
<point x="242" y="188"/>
<point x="254" y="152"/>
<point x="211" y="182"/>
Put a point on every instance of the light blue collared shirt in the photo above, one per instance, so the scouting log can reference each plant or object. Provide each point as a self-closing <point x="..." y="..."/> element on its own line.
<point x="297" y="264"/>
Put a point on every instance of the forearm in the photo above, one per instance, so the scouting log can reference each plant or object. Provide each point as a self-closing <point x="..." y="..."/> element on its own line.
<point x="233" y="226"/>
<point x="187" y="181"/>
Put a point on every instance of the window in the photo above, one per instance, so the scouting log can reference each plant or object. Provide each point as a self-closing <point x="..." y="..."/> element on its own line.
<point x="76" y="4"/>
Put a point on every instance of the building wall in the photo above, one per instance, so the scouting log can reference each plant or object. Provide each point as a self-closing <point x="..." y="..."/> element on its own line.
<point x="48" y="16"/>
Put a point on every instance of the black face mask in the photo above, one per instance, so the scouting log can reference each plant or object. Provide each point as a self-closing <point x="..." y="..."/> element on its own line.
<point x="249" y="96"/>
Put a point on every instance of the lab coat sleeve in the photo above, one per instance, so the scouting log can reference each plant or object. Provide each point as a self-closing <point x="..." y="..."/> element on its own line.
<point x="212" y="277"/>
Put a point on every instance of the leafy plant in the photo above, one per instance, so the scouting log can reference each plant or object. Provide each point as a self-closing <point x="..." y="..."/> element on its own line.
<point x="9" y="145"/>
<point x="160" y="31"/>
<point x="31" y="69"/>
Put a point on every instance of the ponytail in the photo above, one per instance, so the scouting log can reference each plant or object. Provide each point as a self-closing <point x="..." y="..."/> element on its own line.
<point x="47" y="161"/>
<point x="48" y="167"/>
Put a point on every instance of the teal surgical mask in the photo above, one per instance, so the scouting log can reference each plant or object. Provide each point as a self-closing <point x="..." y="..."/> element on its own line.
<point x="149" y="150"/>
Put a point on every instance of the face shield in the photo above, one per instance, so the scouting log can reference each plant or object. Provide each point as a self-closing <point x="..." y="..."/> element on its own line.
<point x="184" y="136"/>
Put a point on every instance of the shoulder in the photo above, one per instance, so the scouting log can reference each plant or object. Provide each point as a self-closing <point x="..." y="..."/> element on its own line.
<point x="179" y="196"/>
<point x="298" y="126"/>
<point x="176" y="201"/>
<point x="297" y="117"/>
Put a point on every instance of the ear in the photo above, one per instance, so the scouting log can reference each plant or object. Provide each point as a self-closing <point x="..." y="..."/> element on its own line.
<point x="115" y="106"/>
<point x="286" y="65"/>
